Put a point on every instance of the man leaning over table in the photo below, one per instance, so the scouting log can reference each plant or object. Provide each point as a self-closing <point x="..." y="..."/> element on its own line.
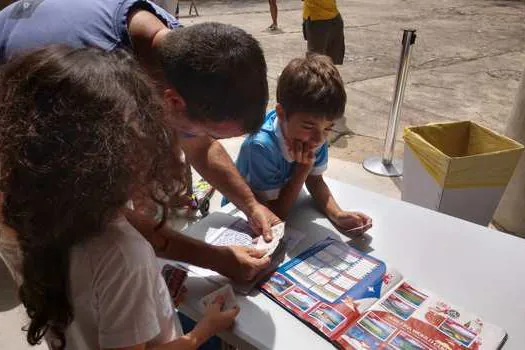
<point x="210" y="91"/>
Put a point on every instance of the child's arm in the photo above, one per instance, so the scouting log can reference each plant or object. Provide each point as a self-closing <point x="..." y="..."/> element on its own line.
<point x="322" y="196"/>
<point x="213" y="321"/>
<point x="238" y="263"/>
<point x="210" y="160"/>
<point x="288" y="194"/>
<point x="304" y="158"/>
<point x="344" y="220"/>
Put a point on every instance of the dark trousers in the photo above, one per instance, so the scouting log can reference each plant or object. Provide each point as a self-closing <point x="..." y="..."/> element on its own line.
<point x="326" y="37"/>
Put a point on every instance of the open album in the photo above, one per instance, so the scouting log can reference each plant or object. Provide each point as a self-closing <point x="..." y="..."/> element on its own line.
<point x="356" y="302"/>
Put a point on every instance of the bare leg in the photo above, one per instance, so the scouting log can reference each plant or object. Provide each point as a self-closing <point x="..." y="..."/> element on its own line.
<point x="273" y="13"/>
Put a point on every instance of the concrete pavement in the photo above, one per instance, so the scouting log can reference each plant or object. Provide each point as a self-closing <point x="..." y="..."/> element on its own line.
<point x="466" y="64"/>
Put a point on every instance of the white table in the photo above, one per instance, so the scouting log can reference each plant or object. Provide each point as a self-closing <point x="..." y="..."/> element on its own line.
<point x="468" y="265"/>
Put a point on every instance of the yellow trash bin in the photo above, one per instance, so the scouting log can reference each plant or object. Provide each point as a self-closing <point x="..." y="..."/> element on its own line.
<point x="458" y="168"/>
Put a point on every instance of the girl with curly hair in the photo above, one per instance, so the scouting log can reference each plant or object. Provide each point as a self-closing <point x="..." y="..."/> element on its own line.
<point x="81" y="132"/>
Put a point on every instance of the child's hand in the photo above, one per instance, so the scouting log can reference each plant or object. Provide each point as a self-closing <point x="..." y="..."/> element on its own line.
<point x="352" y="222"/>
<point x="302" y="153"/>
<point x="215" y="320"/>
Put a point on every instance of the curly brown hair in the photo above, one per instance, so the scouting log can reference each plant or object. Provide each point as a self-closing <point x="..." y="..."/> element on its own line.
<point x="81" y="130"/>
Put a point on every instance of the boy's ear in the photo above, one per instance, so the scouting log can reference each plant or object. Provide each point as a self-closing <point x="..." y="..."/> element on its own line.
<point x="280" y="111"/>
<point x="174" y="101"/>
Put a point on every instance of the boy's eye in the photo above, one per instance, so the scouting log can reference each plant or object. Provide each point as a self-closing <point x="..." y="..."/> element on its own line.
<point x="307" y="127"/>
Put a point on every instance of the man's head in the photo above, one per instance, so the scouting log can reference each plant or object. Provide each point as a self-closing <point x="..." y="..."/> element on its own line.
<point x="216" y="77"/>
<point x="310" y="98"/>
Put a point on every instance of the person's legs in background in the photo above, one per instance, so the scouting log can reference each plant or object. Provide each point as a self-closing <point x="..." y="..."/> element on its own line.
<point x="336" y="45"/>
<point x="273" y="13"/>
<point x="317" y="35"/>
<point x="326" y="37"/>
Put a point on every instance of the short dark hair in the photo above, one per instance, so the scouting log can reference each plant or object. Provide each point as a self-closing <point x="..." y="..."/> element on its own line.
<point x="312" y="85"/>
<point x="219" y="70"/>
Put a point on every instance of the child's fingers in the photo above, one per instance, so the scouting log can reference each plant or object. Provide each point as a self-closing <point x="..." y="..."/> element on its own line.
<point x="307" y="147"/>
<point x="231" y="313"/>
<point x="367" y="220"/>
<point x="306" y="152"/>
<point x="356" y="230"/>
<point x="358" y="218"/>
<point x="298" y="151"/>
<point x="219" y="299"/>
<point x="367" y="227"/>
<point x="217" y="303"/>
<point x="351" y="223"/>
<point x="360" y="228"/>
<point x="213" y="309"/>
<point x="308" y="157"/>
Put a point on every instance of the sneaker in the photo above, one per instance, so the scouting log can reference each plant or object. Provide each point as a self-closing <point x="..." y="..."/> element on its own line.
<point x="273" y="28"/>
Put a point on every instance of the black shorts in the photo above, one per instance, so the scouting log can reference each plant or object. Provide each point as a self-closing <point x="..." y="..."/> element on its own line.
<point x="326" y="37"/>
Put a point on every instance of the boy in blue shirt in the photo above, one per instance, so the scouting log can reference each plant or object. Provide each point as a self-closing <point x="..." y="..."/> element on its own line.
<point x="290" y="149"/>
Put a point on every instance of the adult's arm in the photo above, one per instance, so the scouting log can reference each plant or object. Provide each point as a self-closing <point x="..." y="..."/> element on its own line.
<point x="145" y="32"/>
<point x="237" y="263"/>
<point x="204" y="153"/>
<point x="210" y="159"/>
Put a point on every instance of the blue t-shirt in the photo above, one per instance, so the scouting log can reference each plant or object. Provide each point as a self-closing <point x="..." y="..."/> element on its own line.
<point x="265" y="163"/>
<point x="32" y="24"/>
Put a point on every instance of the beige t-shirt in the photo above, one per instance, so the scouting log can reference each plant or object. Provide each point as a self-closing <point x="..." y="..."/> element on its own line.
<point x="119" y="296"/>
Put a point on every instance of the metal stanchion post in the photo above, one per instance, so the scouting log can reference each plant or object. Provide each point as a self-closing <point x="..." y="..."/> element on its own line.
<point x="386" y="165"/>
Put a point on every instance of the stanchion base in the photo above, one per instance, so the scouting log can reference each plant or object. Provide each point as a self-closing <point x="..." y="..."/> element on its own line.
<point x="375" y="166"/>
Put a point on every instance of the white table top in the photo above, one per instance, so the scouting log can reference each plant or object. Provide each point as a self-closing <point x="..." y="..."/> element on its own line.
<point x="468" y="265"/>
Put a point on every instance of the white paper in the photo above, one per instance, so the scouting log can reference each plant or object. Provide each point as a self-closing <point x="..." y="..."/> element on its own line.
<point x="238" y="233"/>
